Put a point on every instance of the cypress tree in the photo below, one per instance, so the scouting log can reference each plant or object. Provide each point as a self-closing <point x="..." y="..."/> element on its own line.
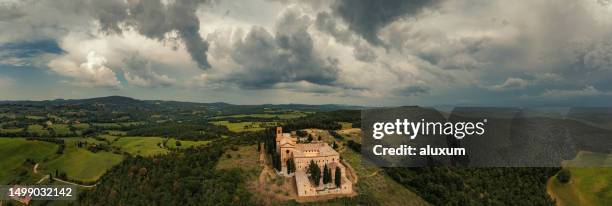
<point x="315" y="172"/>
<point x="326" y="176"/>
<point x="338" y="178"/>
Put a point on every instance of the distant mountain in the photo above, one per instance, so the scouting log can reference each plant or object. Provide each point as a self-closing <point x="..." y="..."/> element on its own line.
<point x="121" y="101"/>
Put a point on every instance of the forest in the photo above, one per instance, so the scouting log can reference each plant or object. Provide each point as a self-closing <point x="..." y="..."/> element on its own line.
<point x="185" y="177"/>
<point x="477" y="186"/>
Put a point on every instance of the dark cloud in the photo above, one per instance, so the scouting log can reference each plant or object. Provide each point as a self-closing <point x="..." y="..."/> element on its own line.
<point x="24" y="53"/>
<point x="288" y="56"/>
<point x="414" y="90"/>
<point x="327" y="23"/>
<point x="366" y="17"/>
<point x="155" y="20"/>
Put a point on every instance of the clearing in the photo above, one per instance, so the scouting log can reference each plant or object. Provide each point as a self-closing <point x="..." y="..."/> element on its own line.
<point x="588" y="185"/>
<point x="143" y="146"/>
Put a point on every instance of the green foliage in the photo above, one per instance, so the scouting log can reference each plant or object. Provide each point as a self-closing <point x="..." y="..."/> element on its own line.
<point x="290" y="166"/>
<point x="354" y="146"/>
<point x="477" y="186"/>
<point x="181" y="131"/>
<point x="276" y="162"/>
<point x="315" y="172"/>
<point x="338" y="177"/>
<point x="324" y="120"/>
<point x="326" y="174"/>
<point x="564" y="176"/>
<point x="183" y="177"/>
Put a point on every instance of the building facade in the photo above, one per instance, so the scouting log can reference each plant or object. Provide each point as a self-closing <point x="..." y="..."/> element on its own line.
<point x="302" y="153"/>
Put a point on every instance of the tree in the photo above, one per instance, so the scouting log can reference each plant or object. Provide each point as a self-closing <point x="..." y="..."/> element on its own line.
<point x="290" y="166"/>
<point x="326" y="174"/>
<point x="178" y="143"/>
<point x="276" y="161"/>
<point x="338" y="177"/>
<point x="315" y="172"/>
<point x="564" y="175"/>
<point x="309" y="138"/>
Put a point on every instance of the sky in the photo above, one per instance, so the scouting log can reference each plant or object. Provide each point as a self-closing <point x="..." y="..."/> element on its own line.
<point x="357" y="52"/>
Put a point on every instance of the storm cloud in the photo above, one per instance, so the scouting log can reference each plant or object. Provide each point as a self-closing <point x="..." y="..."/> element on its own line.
<point x="154" y="19"/>
<point x="367" y="17"/>
<point x="286" y="56"/>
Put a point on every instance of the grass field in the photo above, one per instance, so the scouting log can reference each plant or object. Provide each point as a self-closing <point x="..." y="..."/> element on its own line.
<point x="171" y="143"/>
<point x="14" y="152"/>
<point x="346" y="125"/>
<point x="81" y="164"/>
<point x="15" y="130"/>
<point x="37" y="129"/>
<point x="372" y="181"/>
<point x="33" y="117"/>
<point x="143" y="146"/>
<point x="245" y="157"/>
<point x="375" y="183"/>
<point x="288" y="115"/>
<point x="116" y="125"/>
<point x="244" y="126"/>
<point x="588" y="185"/>
<point x="109" y="138"/>
<point x="61" y="129"/>
<point x="81" y="126"/>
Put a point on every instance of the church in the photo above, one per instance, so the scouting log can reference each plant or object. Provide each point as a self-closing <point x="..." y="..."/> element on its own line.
<point x="302" y="153"/>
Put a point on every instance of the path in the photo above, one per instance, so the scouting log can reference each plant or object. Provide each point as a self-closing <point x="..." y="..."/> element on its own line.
<point x="72" y="183"/>
<point x="42" y="179"/>
<point x="373" y="173"/>
<point x="35" y="169"/>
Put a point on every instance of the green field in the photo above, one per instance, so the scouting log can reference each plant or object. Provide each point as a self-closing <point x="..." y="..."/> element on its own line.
<point x="143" y="146"/>
<point x="588" y="185"/>
<point x="372" y="181"/>
<point x="81" y="164"/>
<point x="244" y="126"/>
<point x="15" y="130"/>
<point x="60" y="129"/>
<point x="14" y="152"/>
<point x="171" y="143"/>
<point x="244" y="157"/>
<point x="81" y="126"/>
<point x="116" y="125"/>
<point x="288" y="115"/>
<point x="109" y="138"/>
<point x="33" y="117"/>
<point x="37" y="129"/>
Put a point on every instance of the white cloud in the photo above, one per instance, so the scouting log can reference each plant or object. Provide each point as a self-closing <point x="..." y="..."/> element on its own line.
<point x="92" y="72"/>
<point x="511" y="83"/>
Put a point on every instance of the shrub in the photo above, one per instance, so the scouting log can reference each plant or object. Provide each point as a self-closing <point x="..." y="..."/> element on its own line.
<point x="564" y="176"/>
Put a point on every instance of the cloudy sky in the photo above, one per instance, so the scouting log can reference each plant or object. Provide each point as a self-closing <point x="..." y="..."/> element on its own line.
<point x="360" y="52"/>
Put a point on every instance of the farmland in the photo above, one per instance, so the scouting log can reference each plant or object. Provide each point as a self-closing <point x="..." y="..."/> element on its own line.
<point x="244" y="126"/>
<point x="143" y="146"/>
<point x="15" y="151"/>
